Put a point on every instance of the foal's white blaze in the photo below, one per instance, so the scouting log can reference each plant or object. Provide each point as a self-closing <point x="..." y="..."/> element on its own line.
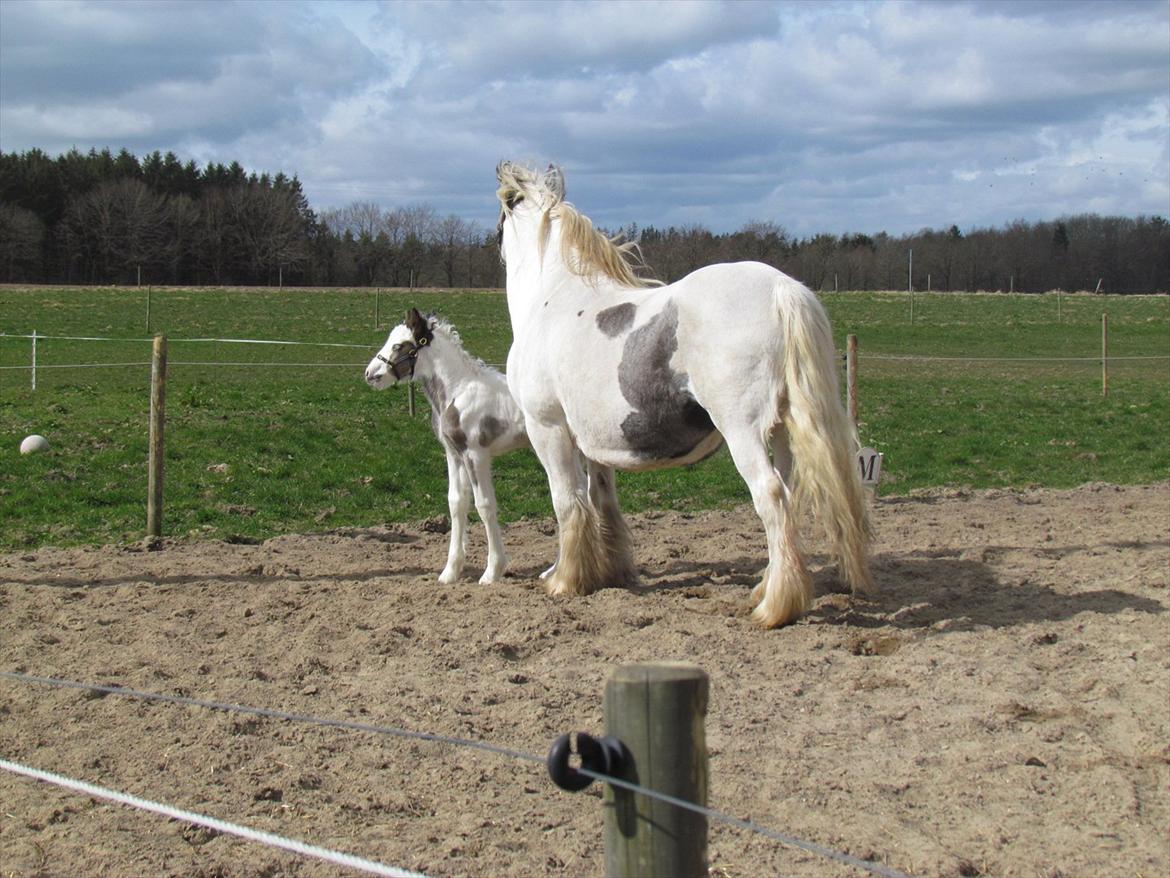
<point x="639" y="376"/>
<point x="474" y="418"/>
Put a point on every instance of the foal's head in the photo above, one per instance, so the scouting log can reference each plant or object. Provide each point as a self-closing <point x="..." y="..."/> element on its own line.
<point x="399" y="356"/>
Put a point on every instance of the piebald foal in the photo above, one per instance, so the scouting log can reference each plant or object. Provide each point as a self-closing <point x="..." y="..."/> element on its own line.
<point x="473" y="416"/>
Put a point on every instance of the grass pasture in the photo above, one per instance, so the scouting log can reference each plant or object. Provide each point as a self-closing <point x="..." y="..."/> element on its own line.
<point x="267" y="439"/>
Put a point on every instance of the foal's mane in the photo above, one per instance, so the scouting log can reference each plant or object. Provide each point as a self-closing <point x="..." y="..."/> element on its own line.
<point x="585" y="251"/>
<point x="442" y="326"/>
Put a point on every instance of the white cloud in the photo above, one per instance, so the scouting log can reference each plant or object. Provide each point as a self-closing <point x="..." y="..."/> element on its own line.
<point x="828" y="116"/>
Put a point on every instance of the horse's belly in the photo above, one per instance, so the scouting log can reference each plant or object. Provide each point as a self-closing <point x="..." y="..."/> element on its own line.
<point x="658" y="435"/>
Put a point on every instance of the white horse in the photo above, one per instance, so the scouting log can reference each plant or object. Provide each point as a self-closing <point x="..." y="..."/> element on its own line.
<point x="473" y="416"/>
<point x="636" y="375"/>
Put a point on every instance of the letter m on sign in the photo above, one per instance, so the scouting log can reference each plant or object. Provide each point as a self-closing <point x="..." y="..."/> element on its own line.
<point x="870" y="464"/>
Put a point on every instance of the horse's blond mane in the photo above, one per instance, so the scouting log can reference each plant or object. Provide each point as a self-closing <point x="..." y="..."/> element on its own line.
<point x="585" y="251"/>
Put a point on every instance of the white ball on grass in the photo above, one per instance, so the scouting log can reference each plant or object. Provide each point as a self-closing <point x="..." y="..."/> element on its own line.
<point x="33" y="444"/>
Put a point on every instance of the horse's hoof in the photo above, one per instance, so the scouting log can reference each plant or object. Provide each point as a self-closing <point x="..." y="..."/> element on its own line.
<point x="448" y="577"/>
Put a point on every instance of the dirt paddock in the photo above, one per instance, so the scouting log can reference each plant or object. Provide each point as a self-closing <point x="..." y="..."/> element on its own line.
<point x="1001" y="705"/>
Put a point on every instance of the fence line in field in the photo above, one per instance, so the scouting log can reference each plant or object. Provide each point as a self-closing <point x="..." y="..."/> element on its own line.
<point x="319" y="344"/>
<point x="1096" y="359"/>
<point x="35" y="337"/>
<point x="392" y="731"/>
<point x="269" y="838"/>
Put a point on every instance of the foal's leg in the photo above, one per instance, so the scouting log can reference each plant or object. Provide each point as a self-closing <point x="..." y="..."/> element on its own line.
<point x="614" y="530"/>
<point x="786" y="590"/>
<point x="479" y="464"/>
<point x="458" y="500"/>
<point x="580" y="567"/>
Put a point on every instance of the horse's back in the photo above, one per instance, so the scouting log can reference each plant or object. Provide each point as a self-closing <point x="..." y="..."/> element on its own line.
<point x="492" y="418"/>
<point x="737" y="285"/>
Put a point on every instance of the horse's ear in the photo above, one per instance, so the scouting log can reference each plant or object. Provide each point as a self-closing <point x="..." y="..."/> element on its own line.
<point x="420" y="327"/>
<point x="415" y="323"/>
<point x="554" y="181"/>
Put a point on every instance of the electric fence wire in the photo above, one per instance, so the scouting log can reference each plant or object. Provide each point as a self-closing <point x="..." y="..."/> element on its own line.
<point x="257" y="835"/>
<point x="392" y="731"/>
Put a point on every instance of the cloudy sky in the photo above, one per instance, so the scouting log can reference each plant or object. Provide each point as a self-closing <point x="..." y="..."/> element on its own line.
<point x="818" y="116"/>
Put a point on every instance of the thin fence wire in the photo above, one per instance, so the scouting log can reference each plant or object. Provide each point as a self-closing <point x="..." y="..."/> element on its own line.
<point x="40" y="366"/>
<point x="177" y="340"/>
<point x="257" y="835"/>
<point x="254" y="341"/>
<point x="392" y="731"/>
<point x="1096" y="359"/>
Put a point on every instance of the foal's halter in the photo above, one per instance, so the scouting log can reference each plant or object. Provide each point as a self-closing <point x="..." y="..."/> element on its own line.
<point x="402" y="366"/>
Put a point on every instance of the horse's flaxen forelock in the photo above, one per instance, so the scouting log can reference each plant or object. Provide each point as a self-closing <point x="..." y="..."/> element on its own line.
<point x="585" y="251"/>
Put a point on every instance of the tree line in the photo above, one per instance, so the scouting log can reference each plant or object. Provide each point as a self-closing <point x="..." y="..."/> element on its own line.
<point x="101" y="218"/>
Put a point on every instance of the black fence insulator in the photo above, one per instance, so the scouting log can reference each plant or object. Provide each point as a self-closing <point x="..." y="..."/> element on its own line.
<point x="605" y="755"/>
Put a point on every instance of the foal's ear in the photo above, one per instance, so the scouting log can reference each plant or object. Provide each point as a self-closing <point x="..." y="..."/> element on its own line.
<point x="419" y="327"/>
<point x="415" y="322"/>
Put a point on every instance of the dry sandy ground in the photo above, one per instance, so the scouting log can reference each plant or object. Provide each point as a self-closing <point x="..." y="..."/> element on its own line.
<point x="1000" y="707"/>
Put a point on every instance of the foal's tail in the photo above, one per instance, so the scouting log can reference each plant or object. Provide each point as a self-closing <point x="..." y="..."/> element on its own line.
<point x="822" y="437"/>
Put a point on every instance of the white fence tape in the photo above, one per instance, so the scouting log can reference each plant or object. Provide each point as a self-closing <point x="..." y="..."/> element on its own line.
<point x="268" y="838"/>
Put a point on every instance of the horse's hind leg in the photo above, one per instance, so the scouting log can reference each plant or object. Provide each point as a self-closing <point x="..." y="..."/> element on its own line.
<point x="479" y="466"/>
<point x="614" y="531"/>
<point x="458" y="500"/>
<point x="786" y="590"/>
<point x="782" y="461"/>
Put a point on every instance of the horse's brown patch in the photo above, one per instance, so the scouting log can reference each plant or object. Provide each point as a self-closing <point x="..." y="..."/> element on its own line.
<point x="490" y="430"/>
<point x="667" y="422"/>
<point x="616" y="320"/>
<point x="451" y="429"/>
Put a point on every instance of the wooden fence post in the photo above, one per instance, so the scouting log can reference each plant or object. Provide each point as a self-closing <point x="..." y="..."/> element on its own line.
<point x="657" y="711"/>
<point x="1104" y="354"/>
<point x="851" y="376"/>
<point x="158" y="389"/>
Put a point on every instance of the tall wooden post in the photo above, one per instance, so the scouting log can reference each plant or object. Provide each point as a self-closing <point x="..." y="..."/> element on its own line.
<point x="158" y="393"/>
<point x="1104" y="354"/>
<point x="658" y="712"/>
<point x="851" y="376"/>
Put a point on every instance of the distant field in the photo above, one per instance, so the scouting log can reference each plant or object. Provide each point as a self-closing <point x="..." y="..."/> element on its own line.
<point x="266" y="439"/>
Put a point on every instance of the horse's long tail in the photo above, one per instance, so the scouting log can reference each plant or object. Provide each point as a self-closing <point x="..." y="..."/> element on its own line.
<point x="822" y="438"/>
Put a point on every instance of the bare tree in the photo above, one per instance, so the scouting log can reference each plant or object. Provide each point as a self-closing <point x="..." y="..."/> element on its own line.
<point x="453" y="235"/>
<point x="269" y="229"/>
<point x="21" y="234"/>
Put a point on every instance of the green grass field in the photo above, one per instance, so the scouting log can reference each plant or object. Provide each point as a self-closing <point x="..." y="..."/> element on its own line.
<point x="267" y="439"/>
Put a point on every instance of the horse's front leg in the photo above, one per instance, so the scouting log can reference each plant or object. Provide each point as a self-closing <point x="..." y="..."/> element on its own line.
<point x="458" y="501"/>
<point x="582" y="566"/>
<point x="479" y="465"/>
